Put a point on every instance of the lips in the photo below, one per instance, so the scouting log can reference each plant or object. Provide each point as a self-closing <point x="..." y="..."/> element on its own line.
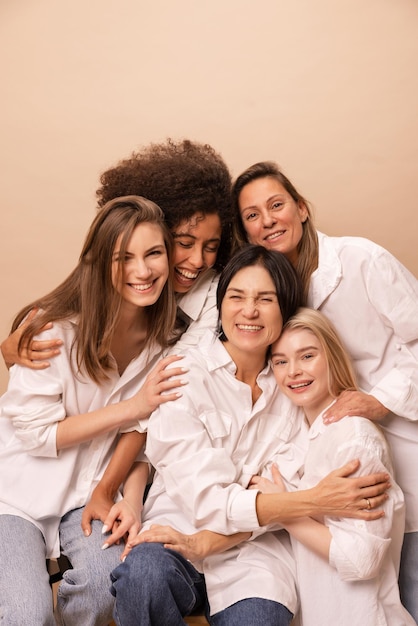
<point x="274" y="236"/>
<point x="186" y="273"/>
<point x="141" y="287"/>
<point x="249" y="327"/>
<point x="297" y="386"/>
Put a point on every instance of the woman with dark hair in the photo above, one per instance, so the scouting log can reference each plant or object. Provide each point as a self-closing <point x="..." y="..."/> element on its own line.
<point x="113" y="314"/>
<point x="191" y="184"/>
<point x="206" y="448"/>
<point x="373" y="302"/>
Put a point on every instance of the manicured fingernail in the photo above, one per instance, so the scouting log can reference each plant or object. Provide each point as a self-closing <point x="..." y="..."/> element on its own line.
<point x="105" y="546"/>
<point x="185" y="369"/>
<point x="104" y="529"/>
<point x="87" y="533"/>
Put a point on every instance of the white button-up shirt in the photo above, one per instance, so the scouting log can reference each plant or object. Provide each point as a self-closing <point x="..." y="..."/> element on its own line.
<point x="359" y="585"/>
<point x="199" y="310"/>
<point x="372" y="300"/>
<point x="206" y="446"/>
<point x="37" y="482"/>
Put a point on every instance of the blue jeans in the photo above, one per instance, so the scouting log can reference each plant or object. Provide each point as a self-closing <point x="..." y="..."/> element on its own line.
<point x="408" y="574"/>
<point x="25" y="594"/>
<point x="83" y="598"/>
<point x="156" y="586"/>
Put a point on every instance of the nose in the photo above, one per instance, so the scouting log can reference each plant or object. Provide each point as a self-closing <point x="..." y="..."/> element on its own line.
<point x="142" y="270"/>
<point x="268" y="218"/>
<point x="197" y="258"/>
<point x="293" y="369"/>
<point x="250" y="308"/>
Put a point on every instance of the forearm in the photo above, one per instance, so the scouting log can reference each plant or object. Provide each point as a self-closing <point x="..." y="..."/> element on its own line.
<point x="77" y="429"/>
<point x="135" y="484"/>
<point x="214" y="543"/>
<point x="124" y="455"/>
<point x="312" y="534"/>
<point x="336" y="495"/>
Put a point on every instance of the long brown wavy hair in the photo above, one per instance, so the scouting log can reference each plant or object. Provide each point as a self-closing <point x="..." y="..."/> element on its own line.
<point x="88" y="292"/>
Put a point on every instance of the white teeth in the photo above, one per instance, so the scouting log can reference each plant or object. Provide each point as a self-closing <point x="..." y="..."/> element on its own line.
<point x="274" y="235"/>
<point x="249" y="327"/>
<point x="299" y="385"/>
<point x="141" y="287"/>
<point x="187" y="274"/>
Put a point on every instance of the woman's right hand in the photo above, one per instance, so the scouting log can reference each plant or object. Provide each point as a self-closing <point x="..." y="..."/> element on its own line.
<point x="158" y="387"/>
<point x="36" y="354"/>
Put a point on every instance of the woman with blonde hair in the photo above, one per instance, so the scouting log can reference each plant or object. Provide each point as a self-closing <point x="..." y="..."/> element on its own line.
<point x="373" y="301"/>
<point x="347" y="571"/>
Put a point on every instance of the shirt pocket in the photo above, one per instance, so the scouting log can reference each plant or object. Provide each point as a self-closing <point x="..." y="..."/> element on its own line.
<point x="217" y="423"/>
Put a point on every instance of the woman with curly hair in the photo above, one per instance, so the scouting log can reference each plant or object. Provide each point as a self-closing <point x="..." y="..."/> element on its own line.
<point x="191" y="183"/>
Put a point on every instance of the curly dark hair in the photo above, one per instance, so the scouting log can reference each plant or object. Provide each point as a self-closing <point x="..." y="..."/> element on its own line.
<point x="182" y="177"/>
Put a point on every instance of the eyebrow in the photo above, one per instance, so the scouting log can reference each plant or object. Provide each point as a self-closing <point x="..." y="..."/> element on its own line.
<point x="177" y="235"/>
<point x="254" y="206"/>
<point x="128" y="253"/>
<point x="259" y="293"/>
<point x="297" y="351"/>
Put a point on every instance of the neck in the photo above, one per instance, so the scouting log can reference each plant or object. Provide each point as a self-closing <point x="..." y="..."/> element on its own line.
<point x="313" y="411"/>
<point x="249" y="365"/>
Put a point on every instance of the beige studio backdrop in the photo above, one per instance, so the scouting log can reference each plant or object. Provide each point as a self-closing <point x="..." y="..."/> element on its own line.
<point x="328" y="88"/>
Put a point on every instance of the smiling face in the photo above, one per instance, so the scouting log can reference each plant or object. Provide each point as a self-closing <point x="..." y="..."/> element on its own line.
<point x="301" y="370"/>
<point x="271" y="217"/>
<point x="141" y="275"/>
<point x="250" y="313"/>
<point x="196" y="244"/>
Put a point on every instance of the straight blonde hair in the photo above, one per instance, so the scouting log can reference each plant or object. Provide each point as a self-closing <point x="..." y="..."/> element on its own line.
<point x="341" y="376"/>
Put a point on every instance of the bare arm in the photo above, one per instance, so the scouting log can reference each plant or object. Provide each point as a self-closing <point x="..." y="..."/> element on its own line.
<point x="336" y="495"/>
<point x="35" y="355"/>
<point x="103" y="496"/>
<point x="194" y="547"/>
<point x="76" y="429"/>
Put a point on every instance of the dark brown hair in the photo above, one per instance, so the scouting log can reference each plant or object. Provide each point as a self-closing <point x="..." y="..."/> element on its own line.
<point x="183" y="178"/>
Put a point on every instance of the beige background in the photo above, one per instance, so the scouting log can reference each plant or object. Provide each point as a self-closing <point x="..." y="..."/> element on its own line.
<point x="327" y="88"/>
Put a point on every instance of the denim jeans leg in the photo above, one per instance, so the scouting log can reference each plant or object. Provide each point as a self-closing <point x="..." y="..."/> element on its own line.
<point x="408" y="574"/>
<point x="253" y="612"/>
<point x="156" y="586"/>
<point x="84" y="593"/>
<point x="25" y="593"/>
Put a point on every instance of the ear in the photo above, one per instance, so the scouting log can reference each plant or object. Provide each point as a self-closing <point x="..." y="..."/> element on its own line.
<point x="303" y="211"/>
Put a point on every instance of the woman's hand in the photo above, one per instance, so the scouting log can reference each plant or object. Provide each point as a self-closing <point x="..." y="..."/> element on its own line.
<point x="36" y="354"/>
<point x="267" y="486"/>
<point x="355" y="403"/>
<point x="340" y="496"/>
<point x="158" y="387"/>
<point x="194" y="547"/>
<point x="97" y="507"/>
<point x="123" y="522"/>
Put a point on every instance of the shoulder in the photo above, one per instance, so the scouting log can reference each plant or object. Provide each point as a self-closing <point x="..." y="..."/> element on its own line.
<point x="355" y="244"/>
<point x="351" y="429"/>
